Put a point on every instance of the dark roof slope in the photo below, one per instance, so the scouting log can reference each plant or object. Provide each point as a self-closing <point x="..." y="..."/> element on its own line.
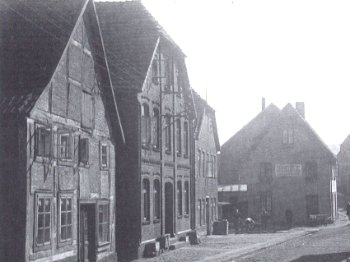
<point x="130" y="35"/>
<point x="33" y="35"/>
<point x="200" y="107"/>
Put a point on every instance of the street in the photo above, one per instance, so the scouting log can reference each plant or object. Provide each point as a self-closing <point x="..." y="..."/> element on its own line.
<point x="328" y="244"/>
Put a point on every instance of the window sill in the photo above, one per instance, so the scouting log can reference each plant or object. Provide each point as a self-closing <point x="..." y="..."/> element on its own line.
<point x="156" y="221"/>
<point x="187" y="216"/>
<point x="145" y="146"/>
<point x="63" y="243"/>
<point x="168" y="152"/>
<point x="42" y="158"/>
<point x="156" y="149"/>
<point x="179" y="154"/>
<point x="186" y="156"/>
<point x="65" y="162"/>
<point x="179" y="216"/>
<point x="103" y="244"/>
<point x="87" y="165"/>
<point x="144" y="223"/>
<point x="42" y="247"/>
<point x="104" y="168"/>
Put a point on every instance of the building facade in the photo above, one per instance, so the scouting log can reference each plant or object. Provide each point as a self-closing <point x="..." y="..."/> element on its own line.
<point x="57" y="139"/>
<point x="154" y="98"/>
<point x="281" y="164"/>
<point x="207" y="150"/>
<point x="343" y="159"/>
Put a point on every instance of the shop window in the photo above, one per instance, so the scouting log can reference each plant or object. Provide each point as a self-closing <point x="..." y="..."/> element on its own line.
<point x="65" y="216"/>
<point x="179" y="198"/>
<point x="146" y="200"/>
<point x="43" y="221"/>
<point x="156" y="199"/>
<point x="43" y="141"/>
<point x="103" y="223"/>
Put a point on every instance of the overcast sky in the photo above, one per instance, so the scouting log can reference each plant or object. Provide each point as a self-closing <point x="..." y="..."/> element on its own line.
<point x="286" y="51"/>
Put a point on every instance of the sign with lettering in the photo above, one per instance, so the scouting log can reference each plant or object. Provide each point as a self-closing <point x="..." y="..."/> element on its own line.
<point x="288" y="170"/>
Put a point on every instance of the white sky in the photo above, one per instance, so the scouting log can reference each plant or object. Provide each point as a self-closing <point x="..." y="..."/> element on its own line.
<point x="286" y="51"/>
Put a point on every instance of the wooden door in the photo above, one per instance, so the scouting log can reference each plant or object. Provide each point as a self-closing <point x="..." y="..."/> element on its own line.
<point x="87" y="243"/>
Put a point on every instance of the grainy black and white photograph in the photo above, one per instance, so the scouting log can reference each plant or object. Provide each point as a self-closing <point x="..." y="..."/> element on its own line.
<point x="174" y="130"/>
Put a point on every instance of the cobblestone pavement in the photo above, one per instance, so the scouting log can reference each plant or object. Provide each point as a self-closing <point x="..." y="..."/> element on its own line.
<point x="225" y="248"/>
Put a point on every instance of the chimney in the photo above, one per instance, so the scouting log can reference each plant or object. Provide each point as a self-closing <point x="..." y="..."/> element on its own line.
<point x="263" y="104"/>
<point x="300" y="107"/>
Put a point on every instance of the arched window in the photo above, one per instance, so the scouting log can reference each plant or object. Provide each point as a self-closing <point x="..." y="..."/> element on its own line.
<point x="178" y="136"/>
<point x="156" y="198"/>
<point x="146" y="200"/>
<point x="186" y="138"/>
<point x="168" y="133"/>
<point x="179" y="198"/>
<point x="156" y="128"/>
<point x="187" y="198"/>
<point x="145" y="125"/>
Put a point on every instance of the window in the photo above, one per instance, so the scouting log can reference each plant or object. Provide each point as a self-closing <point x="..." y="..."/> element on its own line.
<point x="87" y="112"/>
<point x="145" y="125"/>
<point x="65" y="218"/>
<point x="187" y="199"/>
<point x="186" y="137"/>
<point x="265" y="172"/>
<point x="179" y="198"/>
<point x="156" y="198"/>
<point x="310" y="171"/>
<point x="178" y="136"/>
<point x="199" y="162"/>
<point x="203" y="163"/>
<point x="43" y="221"/>
<point x="200" y="211"/>
<point x="43" y="141"/>
<point x="168" y="133"/>
<point x="84" y="151"/>
<point x="103" y="223"/>
<point x="169" y="73"/>
<point x="214" y="166"/>
<point x="209" y="166"/>
<point x="104" y="155"/>
<point x="288" y="136"/>
<point x="65" y="146"/>
<point x="156" y="129"/>
<point x="155" y="79"/>
<point x="146" y="200"/>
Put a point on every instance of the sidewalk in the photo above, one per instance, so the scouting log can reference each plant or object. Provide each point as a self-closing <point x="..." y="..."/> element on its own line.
<point x="224" y="248"/>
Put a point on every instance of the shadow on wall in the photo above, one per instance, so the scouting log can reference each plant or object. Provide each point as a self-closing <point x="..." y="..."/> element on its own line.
<point x="333" y="257"/>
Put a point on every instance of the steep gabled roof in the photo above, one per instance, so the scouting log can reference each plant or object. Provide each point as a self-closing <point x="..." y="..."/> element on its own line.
<point x="33" y="37"/>
<point x="290" y="111"/>
<point x="201" y="107"/>
<point x="130" y="35"/>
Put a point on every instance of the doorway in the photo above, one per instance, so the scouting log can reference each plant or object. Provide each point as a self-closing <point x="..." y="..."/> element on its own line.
<point x="87" y="240"/>
<point x="169" y="209"/>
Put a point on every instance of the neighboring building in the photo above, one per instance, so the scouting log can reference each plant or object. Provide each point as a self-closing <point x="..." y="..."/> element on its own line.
<point x="343" y="158"/>
<point x="277" y="162"/>
<point x="207" y="147"/>
<point x="154" y="167"/>
<point x="57" y="158"/>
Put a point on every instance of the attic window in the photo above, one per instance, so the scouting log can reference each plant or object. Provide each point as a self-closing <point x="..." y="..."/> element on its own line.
<point x="288" y="136"/>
